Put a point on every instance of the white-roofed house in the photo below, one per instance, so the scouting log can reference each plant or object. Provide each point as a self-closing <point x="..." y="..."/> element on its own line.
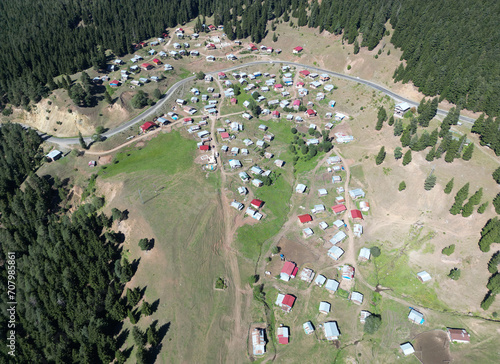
<point x="318" y="208"/>
<point x="323" y="225"/>
<point x="401" y="109"/>
<point x="307" y="232"/>
<point x="335" y="252"/>
<point x="235" y="163"/>
<point x="320" y="280"/>
<point x="363" y="315"/>
<point x="357" y="193"/>
<point x="308" y="327"/>
<point x="258" y="341"/>
<point x="301" y="188"/>
<point x="337" y="238"/>
<point x="424" y="276"/>
<point x="364" y="254"/>
<point x="324" y="307"/>
<point x="257" y="182"/>
<point x="322" y="192"/>
<point x="338" y="224"/>
<point x="416" y="317"/>
<point x="244" y="176"/>
<point x="331" y="330"/>
<point x="332" y="285"/>
<point x="242" y="190"/>
<point x="237" y="205"/>
<point x="54" y="155"/>
<point x="358" y="230"/>
<point x="407" y="349"/>
<point x="357" y="298"/>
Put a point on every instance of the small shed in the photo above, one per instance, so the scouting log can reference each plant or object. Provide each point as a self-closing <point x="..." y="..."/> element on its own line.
<point x="323" y="225"/>
<point x="332" y="285"/>
<point x="416" y="317"/>
<point x="54" y="155"/>
<point x="424" y="276"/>
<point x="301" y="188"/>
<point x="307" y="232"/>
<point x="308" y="327"/>
<point x="283" y="335"/>
<point x="324" y="307"/>
<point x="322" y="192"/>
<point x="335" y="252"/>
<point x="357" y="298"/>
<point x="331" y="330"/>
<point x="407" y="349"/>
<point x="320" y="280"/>
<point x="364" y="254"/>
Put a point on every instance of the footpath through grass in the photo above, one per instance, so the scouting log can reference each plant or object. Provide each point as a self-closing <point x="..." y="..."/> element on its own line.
<point x="169" y="153"/>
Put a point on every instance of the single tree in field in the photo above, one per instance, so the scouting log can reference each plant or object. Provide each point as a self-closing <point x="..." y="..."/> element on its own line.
<point x="144" y="244"/>
<point x="402" y="186"/>
<point x="381" y="117"/>
<point x="407" y="158"/>
<point x="430" y="182"/>
<point x="380" y="156"/>
<point x="454" y="274"/>
<point x="146" y="309"/>
<point x="107" y="97"/>
<point x="449" y="186"/>
<point x="398" y="153"/>
<point x="372" y="323"/>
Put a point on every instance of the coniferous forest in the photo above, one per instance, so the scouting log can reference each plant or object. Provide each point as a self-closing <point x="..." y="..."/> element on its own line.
<point x="450" y="47"/>
<point x="63" y="270"/>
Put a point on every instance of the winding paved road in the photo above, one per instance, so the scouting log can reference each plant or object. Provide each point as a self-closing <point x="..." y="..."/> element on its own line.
<point x="148" y="114"/>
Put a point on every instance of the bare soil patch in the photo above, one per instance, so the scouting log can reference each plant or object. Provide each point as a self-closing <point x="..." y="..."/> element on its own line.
<point x="432" y="347"/>
<point x="105" y="159"/>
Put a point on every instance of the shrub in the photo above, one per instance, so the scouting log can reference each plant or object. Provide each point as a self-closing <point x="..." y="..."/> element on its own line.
<point x="375" y="251"/>
<point x="454" y="274"/>
<point x="220" y="283"/>
<point x="372" y="323"/>
<point x="448" y="250"/>
<point x="402" y="186"/>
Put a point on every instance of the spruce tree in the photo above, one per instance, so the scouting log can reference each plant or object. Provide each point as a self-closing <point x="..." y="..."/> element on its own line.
<point x="449" y="186"/>
<point x="82" y="142"/>
<point x="482" y="208"/>
<point x="496" y="203"/>
<point x="107" y="97"/>
<point x="398" y="128"/>
<point x="398" y="153"/>
<point x="407" y="158"/>
<point x="380" y="156"/>
<point x="406" y="137"/>
<point x="430" y="182"/>
<point x="496" y="175"/>
<point x="468" y="152"/>
<point x="430" y="156"/>
<point x="391" y="120"/>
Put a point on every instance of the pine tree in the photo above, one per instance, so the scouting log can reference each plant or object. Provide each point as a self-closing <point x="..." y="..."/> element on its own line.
<point x="82" y="142"/>
<point x="391" y="120"/>
<point x="482" y="208"/>
<point x="407" y="158"/>
<point x="398" y="128"/>
<point x="398" y="153"/>
<point x="146" y="309"/>
<point x="433" y="138"/>
<point x="406" y="137"/>
<point x="275" y="38"/>
<point x="449" y="186"/>
<point x="430" y="156"/>
<point x="356" y="47"/>
<point x="430" y="182"/>
<point x="422" y="106"/>
<point x="107" y="97"/>
<point x="496" y="175"/>
<point x="496" y="203"/>
<point x="402" y="186"/>
<point x="380" y="156"/>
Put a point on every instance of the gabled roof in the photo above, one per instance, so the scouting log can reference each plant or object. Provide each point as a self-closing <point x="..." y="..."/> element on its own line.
<point x="147" y="125"/>
<point x="288" y="268"/>
<point x="305" y="218"/>
<point x="257" y="203"/>
<point x="289" y="300"/>
<point x="356" y="214"/>
<point x="339" y="208"/>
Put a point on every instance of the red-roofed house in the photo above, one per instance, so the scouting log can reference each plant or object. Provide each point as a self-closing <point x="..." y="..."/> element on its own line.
<point x="304" y="73"/>
<point x="187" y="120"/>
<point x="276" y="114"/>
<point x="305" y="218"/>
<point x="221" y="75"/>
<point x="278" y="86"/>
<point x="297" y="50"/>
<point x="114" y="83"/>
<point x="146" y="66"/>
<point x="283" y="335"/>
<point x="204" y="148"/>
<point x="234" y="101"/>
<point x="311" y="113"/>
<point x="147" y="125"/>
<point x="296" y="104"/>
<point x="212" y="27"/>
<point x="285" y="302"/>
<point x="289" y="271"/>
<point x="337" y="209"/>
<point x="143" y="44"/>
<point x="458" y="335"/>
<point x="156" y="61"/>
<point x="210" y="46"/>
<point x="256" y="203"/>
<point x="224" y="135"/>
<point x="356" y="215"/>
<point x="299" y="84"/>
